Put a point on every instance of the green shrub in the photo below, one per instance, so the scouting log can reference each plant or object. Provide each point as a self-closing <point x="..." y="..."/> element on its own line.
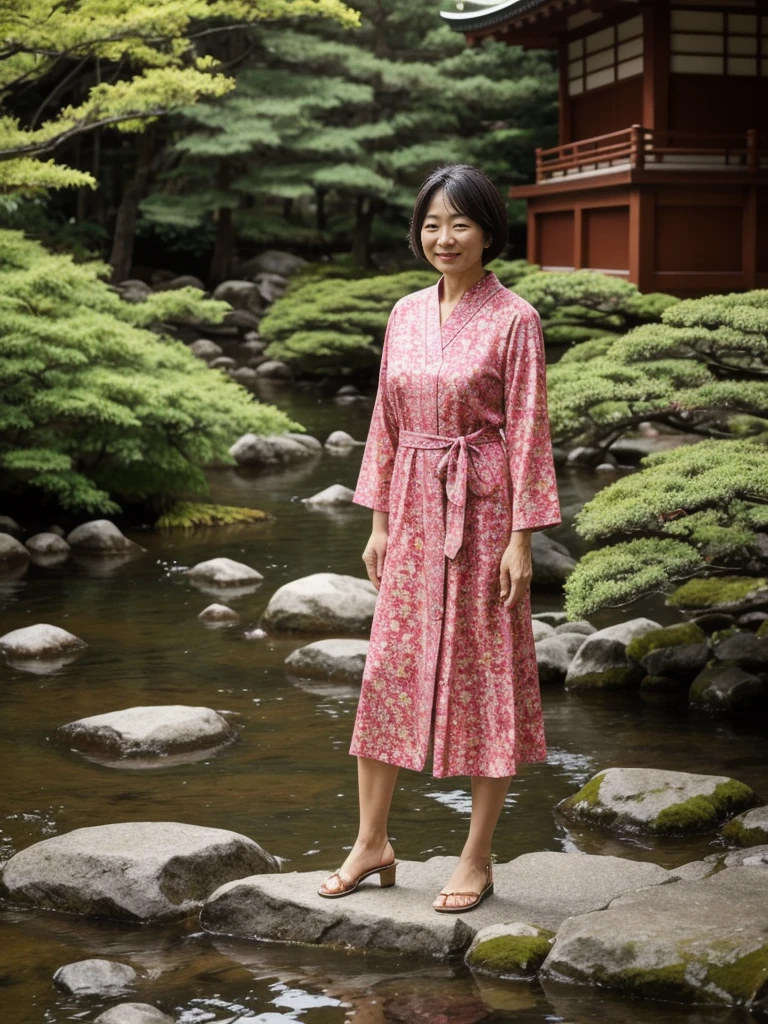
<point x="98" y="407"/>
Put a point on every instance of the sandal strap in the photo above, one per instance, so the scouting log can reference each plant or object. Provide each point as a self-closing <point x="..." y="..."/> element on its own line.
<point x="337" y="874"/>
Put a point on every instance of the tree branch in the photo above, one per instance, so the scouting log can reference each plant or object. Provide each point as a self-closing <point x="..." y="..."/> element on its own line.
<point x="49" y="145"/>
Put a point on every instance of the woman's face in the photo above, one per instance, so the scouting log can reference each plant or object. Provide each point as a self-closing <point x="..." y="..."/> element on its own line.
<point x="452" y="242"/>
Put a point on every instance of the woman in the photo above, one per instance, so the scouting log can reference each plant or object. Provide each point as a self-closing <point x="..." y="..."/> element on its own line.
<point x="451" y="657"/>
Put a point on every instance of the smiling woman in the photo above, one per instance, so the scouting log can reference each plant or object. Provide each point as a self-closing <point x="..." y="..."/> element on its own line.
<point x="458" y="470"/>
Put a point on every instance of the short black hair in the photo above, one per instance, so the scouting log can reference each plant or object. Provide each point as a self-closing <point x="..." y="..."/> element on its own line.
<point x="474" y="195"/>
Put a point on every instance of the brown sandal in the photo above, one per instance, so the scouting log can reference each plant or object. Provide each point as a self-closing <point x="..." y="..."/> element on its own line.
<point x="479" y="897"/>
<point x="386" y="873"/>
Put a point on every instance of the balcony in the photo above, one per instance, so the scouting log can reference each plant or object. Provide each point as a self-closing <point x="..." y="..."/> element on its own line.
<point x="649" y="149"/>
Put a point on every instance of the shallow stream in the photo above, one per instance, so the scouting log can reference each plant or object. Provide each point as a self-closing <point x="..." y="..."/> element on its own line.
<point x="289" y="782"/>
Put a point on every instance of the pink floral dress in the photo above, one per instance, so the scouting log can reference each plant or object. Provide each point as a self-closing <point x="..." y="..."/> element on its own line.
<point x="459" y="454"/>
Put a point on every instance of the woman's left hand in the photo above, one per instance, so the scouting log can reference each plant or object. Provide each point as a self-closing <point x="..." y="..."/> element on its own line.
<point x="516" y="571"/>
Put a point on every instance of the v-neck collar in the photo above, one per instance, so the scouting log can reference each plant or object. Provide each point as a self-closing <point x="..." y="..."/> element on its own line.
<point x="470" y="303"/>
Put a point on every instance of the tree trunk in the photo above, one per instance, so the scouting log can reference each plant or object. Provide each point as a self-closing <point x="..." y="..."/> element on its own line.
<point x="322" y="217"/>
<point x="128" y="210"/>
<point x="223" y="257"/>
<point x="361" y="236"/>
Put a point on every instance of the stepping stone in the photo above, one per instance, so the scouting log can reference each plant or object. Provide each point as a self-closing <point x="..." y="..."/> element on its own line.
<point x="543" y="888"/>
<point x="131" y="871"/>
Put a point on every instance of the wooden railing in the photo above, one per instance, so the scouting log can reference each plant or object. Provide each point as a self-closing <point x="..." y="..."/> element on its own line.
<point x="638" y="147"/>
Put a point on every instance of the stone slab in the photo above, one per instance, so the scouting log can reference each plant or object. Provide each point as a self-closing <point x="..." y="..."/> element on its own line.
<point x="543" y="888"/>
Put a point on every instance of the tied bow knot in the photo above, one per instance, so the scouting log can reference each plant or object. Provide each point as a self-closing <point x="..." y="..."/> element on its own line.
<point x="458" y="473"/>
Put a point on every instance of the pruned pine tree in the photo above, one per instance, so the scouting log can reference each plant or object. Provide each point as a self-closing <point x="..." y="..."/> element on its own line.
<point x="98" y="406"/>
<point x="583" y="305"/>
<point x="703" y="369"/>
<point x="694" y="511"/>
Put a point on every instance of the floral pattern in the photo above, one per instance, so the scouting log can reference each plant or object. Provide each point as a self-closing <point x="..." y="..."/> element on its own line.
<point x="459" y="454"/>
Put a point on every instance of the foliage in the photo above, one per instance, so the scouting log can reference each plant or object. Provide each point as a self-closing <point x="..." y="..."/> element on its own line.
<point x="97" y="406"/>
<point x="329" y="132"/>
<point x="580" y="305"/>
<point x="701" y="370"/>
<point x="147" y="59"/>
<point x="689" y="511"/>
<point x="186" y="515"/>
<point x="332" y="317"/>
<point x="330" y="324"/>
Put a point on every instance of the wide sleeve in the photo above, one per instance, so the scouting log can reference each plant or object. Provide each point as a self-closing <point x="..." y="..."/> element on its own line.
<point x="535" y="503"/>
<point x="381" y="446"/>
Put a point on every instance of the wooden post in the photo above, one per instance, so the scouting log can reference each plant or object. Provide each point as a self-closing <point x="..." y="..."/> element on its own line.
<point x="578" y="238"/>
<point x="539" y="176"/>
<point x="637" y="156"/>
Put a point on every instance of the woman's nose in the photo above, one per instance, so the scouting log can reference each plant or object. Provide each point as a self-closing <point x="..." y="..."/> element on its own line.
<point x="446" y="237"/>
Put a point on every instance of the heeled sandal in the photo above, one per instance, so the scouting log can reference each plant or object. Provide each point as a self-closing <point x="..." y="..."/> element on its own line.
<point x="479" y="897"/>
<point x="386" y="872"/>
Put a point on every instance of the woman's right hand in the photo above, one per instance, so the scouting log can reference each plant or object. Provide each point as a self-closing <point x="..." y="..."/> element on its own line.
<point x="375" y="552"/>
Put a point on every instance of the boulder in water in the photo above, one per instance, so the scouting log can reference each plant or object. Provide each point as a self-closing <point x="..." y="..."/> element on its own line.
<point x="11" y="550"/>
<point x="148" y="731"/>
<point x="48" y="544"/>
<point x="132" y="871"/>
<point x="658" y="802"/>
<point x="224" y="572"/>
<point x="336" y="494"/>
<point x="322" y="603"/>
<point x="134" y="1013"/>
<point x="602" y="661"/>
<point x="95" y="978"/>
<point x="100" y="537"/>
<point x="39" y="641"/>
<point x="330" y="659"/>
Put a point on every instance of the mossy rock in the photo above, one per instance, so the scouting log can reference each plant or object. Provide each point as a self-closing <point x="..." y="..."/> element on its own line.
<point x="510" y="950"/>
<point x="718" y="591"/>
<point x="729" y="689"/>
<point x="669" y="636"/>
<point x="656" y="802"/>
<point x="612" y="679"/>
<point x="748" y="829"/>
<point x="763" y="629"/>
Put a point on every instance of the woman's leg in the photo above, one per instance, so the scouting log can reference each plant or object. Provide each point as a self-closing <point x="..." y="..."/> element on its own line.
<point x="488" y="797"/>
<point x="376" y="784"/>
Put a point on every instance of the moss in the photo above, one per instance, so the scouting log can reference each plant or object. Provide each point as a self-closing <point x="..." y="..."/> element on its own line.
<point x="512" y="954"/>
<point x="702" y="813"/>
<point x="588" y="797"/>
<point x="186" y="515"/>
<point x="588" y="794"/>
<point x="722" y="634"/>
<point x="669" y="636"/>
<point x="736" y="832"/>
<point x="708" y="592"/>
<point x="611" y="679"/>
<point x="745" y="977"/>
<point x="667" y="982"/>
<point x="763" y="628"/>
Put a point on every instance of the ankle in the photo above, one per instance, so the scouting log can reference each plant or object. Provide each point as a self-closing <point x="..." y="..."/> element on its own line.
<point x="478" y="861"/>
<point x="371" y="843"/>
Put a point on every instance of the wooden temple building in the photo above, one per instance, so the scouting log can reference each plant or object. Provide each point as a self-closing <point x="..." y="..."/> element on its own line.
<point x="661" y="172"/>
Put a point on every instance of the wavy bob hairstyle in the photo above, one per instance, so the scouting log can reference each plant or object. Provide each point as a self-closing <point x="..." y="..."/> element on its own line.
<point x="472" y="194"/>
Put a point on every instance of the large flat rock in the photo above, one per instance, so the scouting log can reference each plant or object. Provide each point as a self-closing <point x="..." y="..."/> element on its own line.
<point x="543" y="888"/>
<point x="702" y="941"/>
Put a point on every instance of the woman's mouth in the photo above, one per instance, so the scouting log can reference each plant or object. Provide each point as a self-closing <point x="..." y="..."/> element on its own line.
<point x="447" y="256"/>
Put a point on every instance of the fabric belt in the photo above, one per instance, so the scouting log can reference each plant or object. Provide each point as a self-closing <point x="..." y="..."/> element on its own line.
<point x="457" y="471"/>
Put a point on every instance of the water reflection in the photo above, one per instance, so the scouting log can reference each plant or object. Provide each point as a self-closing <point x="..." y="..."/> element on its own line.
<point x="289" y="782"/>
